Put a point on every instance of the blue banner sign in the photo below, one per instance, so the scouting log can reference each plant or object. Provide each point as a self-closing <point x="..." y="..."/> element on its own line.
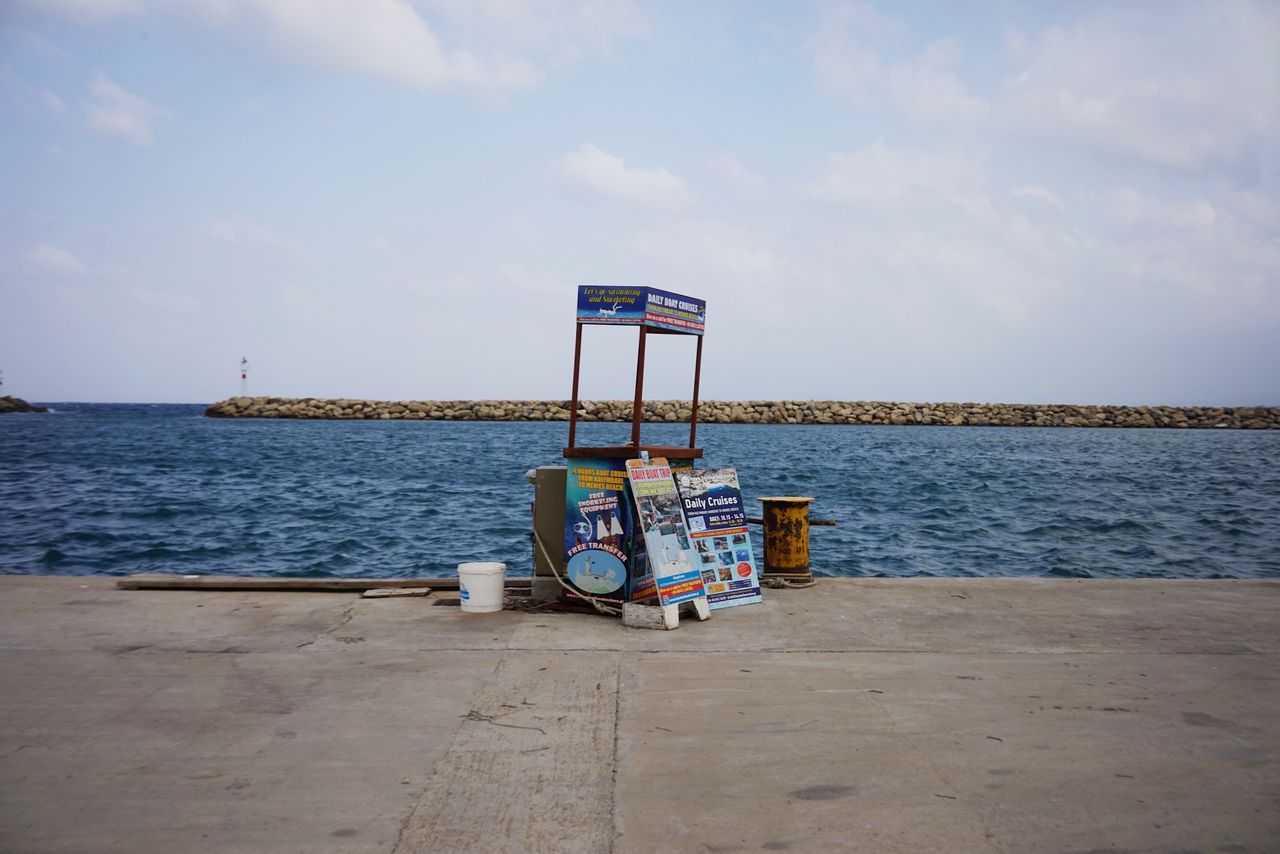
<point x="604" y="553"/>
<point x="635" y="306"/>
<point x="717" y="524"/>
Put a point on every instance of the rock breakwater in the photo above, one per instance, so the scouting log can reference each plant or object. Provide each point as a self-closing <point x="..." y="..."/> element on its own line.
<point x="17" y="404"/>
<point x="760" y="412"/>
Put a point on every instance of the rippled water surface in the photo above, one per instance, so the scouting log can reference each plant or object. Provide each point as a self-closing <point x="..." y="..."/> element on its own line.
<point x="113" y="489"/>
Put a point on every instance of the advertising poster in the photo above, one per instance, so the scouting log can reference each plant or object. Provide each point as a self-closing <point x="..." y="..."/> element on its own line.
<point x="599" y="541"/>
<point x="633" y="306"/>
<point x="666" y="540"/>
<point x="712" y="502"/>
<point x="611" y="304"/>
<point x="666" y="310"/>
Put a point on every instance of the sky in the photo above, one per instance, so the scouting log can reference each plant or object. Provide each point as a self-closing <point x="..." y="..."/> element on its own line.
<point x="1019" y="202"/>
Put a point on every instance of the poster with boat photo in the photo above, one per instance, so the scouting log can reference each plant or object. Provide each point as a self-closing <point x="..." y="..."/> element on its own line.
<point x="712" y="504"/>
<point x="671" y="556"/>
<point x="601" y="558"/>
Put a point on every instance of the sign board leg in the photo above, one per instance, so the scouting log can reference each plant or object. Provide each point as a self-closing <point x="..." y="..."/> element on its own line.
<point x="671" y="616"/>
<point x="637" y="616"/>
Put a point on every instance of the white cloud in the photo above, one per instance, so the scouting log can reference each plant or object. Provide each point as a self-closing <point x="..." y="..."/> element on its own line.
<point x="118" y="112"/>
<point x="936" y="229"/>
<point x="1192" y="248"/>
<point x="536" y="282"/>
<point x="712" y="246"/>
<point x="921" y="84"/>
<point x="1087" y="238"/>
<point x="88" y="11"/>
<point x="925" y="86"/>
<point x="878" y="176"/>
<point x="743" y="180"/>
<point x="384" y="38"/>
<point x="52" y="102"/>
<point x="166" y="301"/>
<point x="54" y="260"/>
<point x="557" y="31"/>
<point x="45" y="97"/>
<point x="1259" y="210"/>
<point x="244" y="233"/>
<point x="43" y="47"/>
<point x="1037" y="192"/>
<point x="934" y="239"/>
<point x="748" y="284"/>
<point x="490" y="45"/>
<point x="608" y="175"/>
<point x="1194" y="87"/>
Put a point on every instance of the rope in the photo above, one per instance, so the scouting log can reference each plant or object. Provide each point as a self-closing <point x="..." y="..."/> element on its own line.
<point x="596" y="603"/>
<point x="786" y="583"/>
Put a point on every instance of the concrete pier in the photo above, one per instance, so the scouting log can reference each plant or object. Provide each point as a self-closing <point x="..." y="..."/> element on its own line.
<point x="958" y="715"/>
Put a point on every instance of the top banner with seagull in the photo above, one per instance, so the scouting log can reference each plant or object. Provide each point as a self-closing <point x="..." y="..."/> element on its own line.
<point x="633" y="305"/>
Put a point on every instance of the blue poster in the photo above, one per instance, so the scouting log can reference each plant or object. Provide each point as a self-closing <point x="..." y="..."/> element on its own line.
<point x="666" y="310"/>
<point x="618" y="304"/>
<point x="603" y="557"/>
<point x="712" y="504"/>
<point x="629" y="305"/>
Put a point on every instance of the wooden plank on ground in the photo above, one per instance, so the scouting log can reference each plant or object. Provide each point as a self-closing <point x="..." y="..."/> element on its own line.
<point x="395" y="592"/>
<point x="531" y="769"/>
<point x="166" y="581"/>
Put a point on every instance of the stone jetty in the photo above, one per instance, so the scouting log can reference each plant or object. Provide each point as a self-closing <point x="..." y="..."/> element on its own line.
<point x="760" y="412"/>
<point x="16" y="404"/>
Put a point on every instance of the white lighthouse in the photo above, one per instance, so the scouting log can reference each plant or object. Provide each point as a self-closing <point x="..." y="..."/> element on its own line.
<point x="244" y="377"/>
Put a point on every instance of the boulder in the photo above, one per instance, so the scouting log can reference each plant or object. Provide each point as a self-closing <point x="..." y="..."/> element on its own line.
<point x="10" y="404"/>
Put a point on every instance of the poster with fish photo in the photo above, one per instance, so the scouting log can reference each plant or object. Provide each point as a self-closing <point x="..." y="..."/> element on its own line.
<point x="671" y="556"/>
<point x="603" y="557"/>
<point x="712" y="504"/>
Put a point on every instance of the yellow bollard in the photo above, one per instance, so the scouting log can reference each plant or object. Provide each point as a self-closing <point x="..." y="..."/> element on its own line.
<point x="786" y="537"/>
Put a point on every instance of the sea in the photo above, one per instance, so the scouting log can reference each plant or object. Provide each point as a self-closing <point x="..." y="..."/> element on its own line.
<point x="112" y="489"/>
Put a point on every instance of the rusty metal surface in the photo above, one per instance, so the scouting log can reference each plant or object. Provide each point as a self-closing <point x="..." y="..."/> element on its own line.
<point x="626" y="452"/>
<point x="637" y="410"/>
<point x="577" y="365"/>
<point x="786" y="534"/>
<point x="638" y="406"/>
<point x="697" y="381"/>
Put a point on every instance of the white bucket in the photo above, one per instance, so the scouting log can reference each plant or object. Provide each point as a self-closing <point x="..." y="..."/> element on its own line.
<point x="480" y="586"/>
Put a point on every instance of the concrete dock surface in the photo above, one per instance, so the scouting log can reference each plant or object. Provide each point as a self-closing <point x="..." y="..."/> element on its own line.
<point x="954" y="715"/>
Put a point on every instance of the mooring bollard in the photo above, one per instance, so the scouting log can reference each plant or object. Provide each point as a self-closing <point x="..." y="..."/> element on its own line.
<point x="786" y="537"/>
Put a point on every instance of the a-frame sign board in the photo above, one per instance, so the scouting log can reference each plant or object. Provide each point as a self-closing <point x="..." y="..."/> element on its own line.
<point x="666" y="539"/>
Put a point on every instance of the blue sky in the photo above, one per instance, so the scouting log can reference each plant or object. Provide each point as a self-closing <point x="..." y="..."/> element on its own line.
<point x="1016" y="202"/>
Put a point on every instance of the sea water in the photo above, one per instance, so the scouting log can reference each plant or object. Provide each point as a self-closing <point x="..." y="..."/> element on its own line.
<point x="119" y="488"/>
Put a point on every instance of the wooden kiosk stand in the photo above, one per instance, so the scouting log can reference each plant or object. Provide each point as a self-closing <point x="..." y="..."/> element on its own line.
<point x="655" y="312"/>
<point x="607" y="562"/>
